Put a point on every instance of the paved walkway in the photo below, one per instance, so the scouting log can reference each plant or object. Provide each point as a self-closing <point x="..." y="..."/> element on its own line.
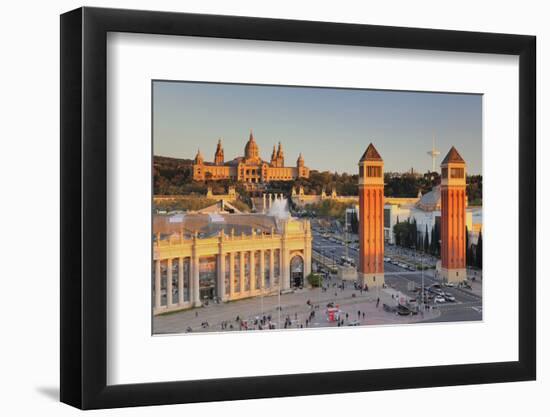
<point x="294" y="307"/>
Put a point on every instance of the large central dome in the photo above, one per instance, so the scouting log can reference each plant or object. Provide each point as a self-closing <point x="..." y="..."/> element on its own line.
<point x="251" y="150"/>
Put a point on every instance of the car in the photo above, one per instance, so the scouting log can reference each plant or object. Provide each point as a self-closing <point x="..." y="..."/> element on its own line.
<point x="439" y="299"/>
<point x="402" y="310"/>
<point x="388" y="308"/>
<point x="354" y="323"/>
<point x="449" y="297"/>
<point x="449" y="284"/>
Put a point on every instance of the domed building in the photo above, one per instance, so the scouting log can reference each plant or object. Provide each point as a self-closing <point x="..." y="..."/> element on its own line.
<point x="250" y="168"/>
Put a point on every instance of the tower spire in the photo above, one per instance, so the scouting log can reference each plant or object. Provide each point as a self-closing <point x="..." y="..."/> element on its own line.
<point x="434" y="153"/>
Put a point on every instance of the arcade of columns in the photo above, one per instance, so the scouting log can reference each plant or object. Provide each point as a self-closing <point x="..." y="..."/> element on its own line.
<point x="274" y="253"/>
<point x="371" y="220"/>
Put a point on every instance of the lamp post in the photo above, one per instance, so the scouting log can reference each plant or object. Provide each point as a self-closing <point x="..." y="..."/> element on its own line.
<point x="279" y="309"/>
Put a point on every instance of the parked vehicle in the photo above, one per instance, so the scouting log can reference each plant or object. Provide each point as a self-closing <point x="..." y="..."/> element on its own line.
<point x="449" y="297"/>
<point x="439" y="299"/>
<point x="402" y="310"/>
<point x="388" y="308"/>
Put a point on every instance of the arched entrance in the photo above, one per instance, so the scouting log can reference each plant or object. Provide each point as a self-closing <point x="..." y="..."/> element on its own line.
<point x="296" y="272"/>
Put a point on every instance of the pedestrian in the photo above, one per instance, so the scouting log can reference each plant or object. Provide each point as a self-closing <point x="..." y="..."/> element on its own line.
<point x="377" y="302"/>
<point x="363" y="315"/>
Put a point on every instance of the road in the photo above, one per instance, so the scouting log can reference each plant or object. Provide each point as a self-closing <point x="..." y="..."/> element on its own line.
<point x="298" y="305"/>
<point x="467" y="307"/>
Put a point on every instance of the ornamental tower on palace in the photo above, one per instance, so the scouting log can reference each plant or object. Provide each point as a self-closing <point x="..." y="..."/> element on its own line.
<point x="371" y="219"/>
<point x="218" y="156"/>
<point x="453" y="217"/>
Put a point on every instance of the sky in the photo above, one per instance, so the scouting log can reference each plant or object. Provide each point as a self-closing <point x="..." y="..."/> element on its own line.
<point x="331" y="127"/>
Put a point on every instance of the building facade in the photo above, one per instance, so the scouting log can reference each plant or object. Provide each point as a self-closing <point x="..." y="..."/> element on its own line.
<point x="250" y="168"/>
<point x="453" y="217"/>
<point x="371" y="218"/>
<point x="220" y="257"/>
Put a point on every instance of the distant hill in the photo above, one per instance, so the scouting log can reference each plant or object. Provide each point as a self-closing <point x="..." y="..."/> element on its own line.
<point x="166" y="162"/>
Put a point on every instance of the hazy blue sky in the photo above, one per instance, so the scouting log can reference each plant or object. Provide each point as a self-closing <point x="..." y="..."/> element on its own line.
<point x="331" y="127"/>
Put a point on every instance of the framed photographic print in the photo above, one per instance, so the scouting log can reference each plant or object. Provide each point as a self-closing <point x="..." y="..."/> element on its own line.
<point x="258" y="207"/>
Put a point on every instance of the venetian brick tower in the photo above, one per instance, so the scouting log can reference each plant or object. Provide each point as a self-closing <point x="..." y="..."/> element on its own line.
<point x="453" y="217"/>
<point x="371" y="219"/>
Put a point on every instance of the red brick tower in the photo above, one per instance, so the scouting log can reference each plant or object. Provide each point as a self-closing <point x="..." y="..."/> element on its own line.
<point x="371" y="218"/>
<point x="453" y="217"/>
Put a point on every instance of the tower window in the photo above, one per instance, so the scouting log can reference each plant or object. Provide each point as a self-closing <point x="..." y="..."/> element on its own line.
<point x="457" y="172"/>
<point x="373" y="171"/>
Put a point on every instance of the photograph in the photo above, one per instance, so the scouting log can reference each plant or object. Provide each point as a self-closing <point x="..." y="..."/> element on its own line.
<point x="288" y="207"/>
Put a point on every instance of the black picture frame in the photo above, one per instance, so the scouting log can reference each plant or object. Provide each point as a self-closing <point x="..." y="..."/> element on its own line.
<point x="84" y="207"/>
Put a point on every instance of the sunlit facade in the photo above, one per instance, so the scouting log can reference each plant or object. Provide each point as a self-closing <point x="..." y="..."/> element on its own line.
<point x="200" y="258"/>
<point x="250" y="168"/>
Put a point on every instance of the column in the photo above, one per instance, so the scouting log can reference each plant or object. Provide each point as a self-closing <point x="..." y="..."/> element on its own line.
<point x="221" y="276"/>
<point x="263" y="205"/>
<point x="195" y="298"/>
<point x="271" y="265"/>
<point x="262" y="270"/>
<point x="169" y="282"/>
<point x="307" y="266"/>
<point x="231" y="274"/>
<point x="252" y="271"/>
<point x="241" y="277"/>
<point x="285" y="268"/>
<point x="180" y="282"/>
<point x="157" y="284"/>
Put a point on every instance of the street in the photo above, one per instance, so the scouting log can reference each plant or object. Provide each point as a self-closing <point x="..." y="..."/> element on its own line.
<point x="308" y="307"/>
<point x="468" y="304"/>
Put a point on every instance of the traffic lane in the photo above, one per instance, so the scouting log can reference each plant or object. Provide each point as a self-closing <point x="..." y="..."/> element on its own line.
<point x="459" y="313"/>
<point x="327" y="248"/>
<point x="401" y="280"/>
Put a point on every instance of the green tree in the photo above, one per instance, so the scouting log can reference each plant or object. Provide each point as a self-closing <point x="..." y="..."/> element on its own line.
<point x="354" y="222"/>
<point x="479" y="252"/>
<point x="314" y="280"/>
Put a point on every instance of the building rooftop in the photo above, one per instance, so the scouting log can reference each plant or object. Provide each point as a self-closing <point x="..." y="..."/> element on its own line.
<point x="453" y="157"/>
<point x="211" y="224"/>
<point x="431" y="200"/>
<point x="371" y="154"/>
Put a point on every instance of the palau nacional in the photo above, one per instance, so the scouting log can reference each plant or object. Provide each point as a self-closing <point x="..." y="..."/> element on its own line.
<point x="223" y="254"/>
<point x="220" y="253"/>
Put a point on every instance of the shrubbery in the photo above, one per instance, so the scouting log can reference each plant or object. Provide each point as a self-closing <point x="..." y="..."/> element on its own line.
<point x="314" y="280"/>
